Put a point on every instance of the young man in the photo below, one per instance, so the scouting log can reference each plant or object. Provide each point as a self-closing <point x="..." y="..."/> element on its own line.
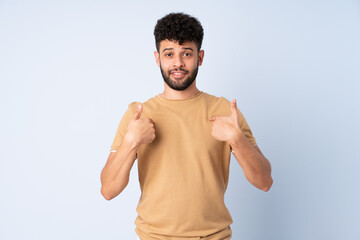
<point x="183" y="139"/>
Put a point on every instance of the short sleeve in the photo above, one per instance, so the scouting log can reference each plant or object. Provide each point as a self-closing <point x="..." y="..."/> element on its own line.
<point x="122" y="127"/>
<point x="246" y="129"/>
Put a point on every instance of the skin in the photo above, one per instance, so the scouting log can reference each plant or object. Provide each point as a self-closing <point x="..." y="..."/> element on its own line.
<point x="172" y="57"/>
<point x="256" y="167"/>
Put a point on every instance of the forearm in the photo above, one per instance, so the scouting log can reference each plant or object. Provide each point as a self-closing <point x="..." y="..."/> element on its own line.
<point x="256" y="167"/>
<point x="115" y="175"/>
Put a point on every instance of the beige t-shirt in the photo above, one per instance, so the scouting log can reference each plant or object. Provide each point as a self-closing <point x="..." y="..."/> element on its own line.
<point x="184" y="172"/>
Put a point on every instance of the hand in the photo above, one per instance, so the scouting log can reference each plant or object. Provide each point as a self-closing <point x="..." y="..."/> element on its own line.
<point x="226" y="128"/>
<point x="140" y="131"/>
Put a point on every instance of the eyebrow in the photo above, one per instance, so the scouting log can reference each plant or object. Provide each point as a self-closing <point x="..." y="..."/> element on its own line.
<point x="185" y="48"/>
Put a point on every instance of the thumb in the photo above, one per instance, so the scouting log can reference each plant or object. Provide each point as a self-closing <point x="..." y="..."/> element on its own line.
<point x="138" y="112"/>
<point x="212" y="118"/>
<point x="234" y="112"/>
<point x="233" y="107"/>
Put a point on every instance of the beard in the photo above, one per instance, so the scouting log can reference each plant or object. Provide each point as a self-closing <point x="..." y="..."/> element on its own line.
<point x="179" y="85"/>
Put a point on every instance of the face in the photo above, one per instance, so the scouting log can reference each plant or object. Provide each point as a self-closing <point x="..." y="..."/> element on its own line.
<point x="178" y="63"/>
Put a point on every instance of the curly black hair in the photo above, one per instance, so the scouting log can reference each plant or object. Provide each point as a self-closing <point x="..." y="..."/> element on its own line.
<point x="179" y="27"/>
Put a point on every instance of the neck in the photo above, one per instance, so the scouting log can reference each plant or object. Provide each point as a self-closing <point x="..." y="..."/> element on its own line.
<point x="170" y="93"/>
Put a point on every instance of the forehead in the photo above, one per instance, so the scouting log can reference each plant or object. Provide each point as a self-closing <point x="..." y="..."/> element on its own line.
<point x="175" y="45"/>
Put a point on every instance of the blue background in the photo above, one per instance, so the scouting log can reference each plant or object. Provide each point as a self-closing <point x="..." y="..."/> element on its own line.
<point x="68" y="70"/>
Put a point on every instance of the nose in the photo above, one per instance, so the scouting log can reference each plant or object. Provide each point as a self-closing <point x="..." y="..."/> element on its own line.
<point x="178" y="61"/>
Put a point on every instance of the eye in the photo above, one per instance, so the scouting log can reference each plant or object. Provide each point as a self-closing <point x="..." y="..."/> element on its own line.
<point x="187" y="54"/>
<point x="168" y="54"/>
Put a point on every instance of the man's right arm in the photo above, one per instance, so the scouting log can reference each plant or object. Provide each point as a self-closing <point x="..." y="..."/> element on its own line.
<point x="115" y="175"/>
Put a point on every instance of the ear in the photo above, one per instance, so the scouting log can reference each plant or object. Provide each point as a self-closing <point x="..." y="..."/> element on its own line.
<point x="157" y="58"/>
<point x="201" y="57"/>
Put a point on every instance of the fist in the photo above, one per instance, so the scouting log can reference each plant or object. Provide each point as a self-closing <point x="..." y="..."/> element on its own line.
<point x="226" y="128"/>
<point x="140" y="131"/>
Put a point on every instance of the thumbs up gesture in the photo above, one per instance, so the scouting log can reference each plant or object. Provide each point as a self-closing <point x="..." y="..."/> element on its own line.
<point x="140" y="130"/>
<point x="226" y="128"/>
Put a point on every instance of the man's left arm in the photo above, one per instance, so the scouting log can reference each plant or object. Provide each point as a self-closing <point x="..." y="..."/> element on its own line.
<point x="256" y="167"/>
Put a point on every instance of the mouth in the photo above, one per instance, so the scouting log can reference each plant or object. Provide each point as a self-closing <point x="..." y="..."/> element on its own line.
<point x="178" y="74"/>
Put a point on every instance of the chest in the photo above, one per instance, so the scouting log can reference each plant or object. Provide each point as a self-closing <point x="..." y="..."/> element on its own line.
<point x="181" y="132"/>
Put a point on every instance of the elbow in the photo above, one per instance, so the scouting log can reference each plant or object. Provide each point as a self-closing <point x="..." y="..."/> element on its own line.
<point x="262" y="183"/>
<point x="106" y="194"/>
<point x="268" y="185"/>
<point x="110" y="191"/>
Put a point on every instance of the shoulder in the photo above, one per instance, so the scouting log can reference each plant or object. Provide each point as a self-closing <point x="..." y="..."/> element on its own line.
<point x="215" y="99"/>
<point x="148" y="106"/>
<point x="148" y="102"/>
<point x="218" y="105"/>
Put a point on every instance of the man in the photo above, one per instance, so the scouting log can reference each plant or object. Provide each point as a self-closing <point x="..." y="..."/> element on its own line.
<point x="183" y="139"/>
